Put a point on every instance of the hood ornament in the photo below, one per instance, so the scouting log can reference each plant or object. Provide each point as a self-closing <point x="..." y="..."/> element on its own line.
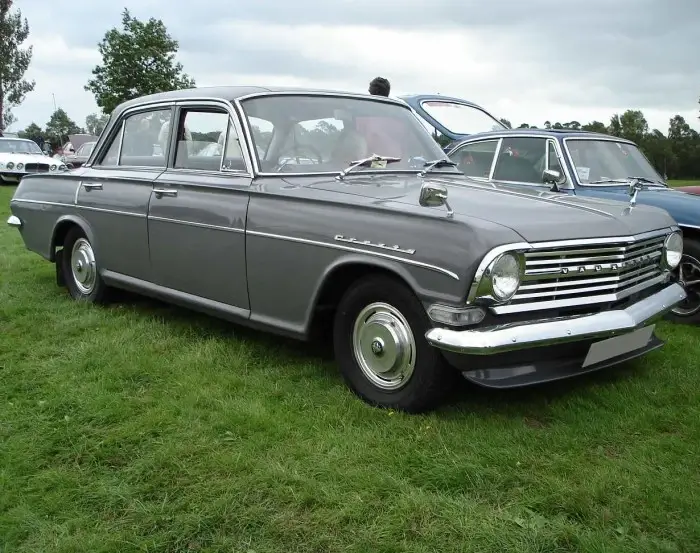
<point x="634" y="187"/>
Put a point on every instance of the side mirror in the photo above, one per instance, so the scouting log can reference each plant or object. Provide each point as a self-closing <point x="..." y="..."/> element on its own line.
<point x="435" y="195"/>
<point x="555" y="178"/>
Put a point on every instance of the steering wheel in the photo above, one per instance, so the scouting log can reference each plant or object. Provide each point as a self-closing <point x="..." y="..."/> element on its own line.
<point x="298" y="149"/>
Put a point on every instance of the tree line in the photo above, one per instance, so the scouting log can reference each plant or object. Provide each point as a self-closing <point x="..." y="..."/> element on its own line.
<point x="139" y="58"/>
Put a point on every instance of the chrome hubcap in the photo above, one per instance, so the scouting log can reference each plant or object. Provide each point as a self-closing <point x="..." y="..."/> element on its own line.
<point x="689" y="278"/>
<point x="384" y="346"/>
<point x="83" y="266"/>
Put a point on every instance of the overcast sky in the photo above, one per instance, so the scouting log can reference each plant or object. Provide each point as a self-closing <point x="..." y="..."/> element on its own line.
<point x="525" y="60"/>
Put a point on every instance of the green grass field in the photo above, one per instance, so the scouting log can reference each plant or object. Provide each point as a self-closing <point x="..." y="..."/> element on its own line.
<point x="145" y="428"/>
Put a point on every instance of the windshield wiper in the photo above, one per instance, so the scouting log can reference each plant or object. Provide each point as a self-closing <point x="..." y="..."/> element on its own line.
<point x="430" y="165"/>
<point x="368" y="160"/>
<point x="627" y="180"/>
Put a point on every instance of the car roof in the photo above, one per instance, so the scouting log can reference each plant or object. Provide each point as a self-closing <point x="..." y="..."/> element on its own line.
<point x="230" y="93"/>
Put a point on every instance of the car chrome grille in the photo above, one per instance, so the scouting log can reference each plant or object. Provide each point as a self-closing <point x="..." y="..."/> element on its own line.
<point x="36" y="167"/>
<point x="568" y="276"/>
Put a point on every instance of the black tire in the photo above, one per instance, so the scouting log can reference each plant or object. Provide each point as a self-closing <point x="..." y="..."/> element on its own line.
<point x="688" y="312"/>
<point x="429" y="380"/>
<point x="96" y="291"/>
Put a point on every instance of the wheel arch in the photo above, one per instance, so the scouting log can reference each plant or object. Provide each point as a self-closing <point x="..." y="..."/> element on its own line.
<point x="340" y="275"/>
<point x="61" y="229"/>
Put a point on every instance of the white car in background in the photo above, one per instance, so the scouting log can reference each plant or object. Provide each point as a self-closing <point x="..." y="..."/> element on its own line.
<point x="19" y="157"/>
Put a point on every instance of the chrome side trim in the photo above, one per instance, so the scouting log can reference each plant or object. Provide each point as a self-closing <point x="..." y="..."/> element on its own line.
<point x="395" y="248"/>
<point x="83" y="207"/>
<point x="683" y="225"/>
<point x="354" y="250"/>
<point x="194" y="224"/>
<point x="14" y="221"/>
<point x="546" y="332"/>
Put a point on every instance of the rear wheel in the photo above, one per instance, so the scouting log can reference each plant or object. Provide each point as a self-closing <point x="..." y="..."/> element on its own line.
<point x="79" y="268"/>
<point x="380" y="346"/>
<point x="688" y="274"/>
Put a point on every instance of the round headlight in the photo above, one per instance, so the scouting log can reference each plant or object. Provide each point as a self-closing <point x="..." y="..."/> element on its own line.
<point x="505" y="276"/>
<point x="53" y="168"/>
<point x="20" y="166"/>
<point x="62" y="167"/>
<point x="673" y="250"/>
<point x="10" y="165"/>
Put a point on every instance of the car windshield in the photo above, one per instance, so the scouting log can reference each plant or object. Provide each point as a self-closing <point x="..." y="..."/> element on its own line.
<point x="18" y="146"/>
<point x="461" y="118"/>
<point x="608" y="162"/>
<point x="306" y="133"/>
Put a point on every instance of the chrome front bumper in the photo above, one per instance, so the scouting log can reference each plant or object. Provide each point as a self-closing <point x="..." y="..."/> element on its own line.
<point x="514" y="336"/>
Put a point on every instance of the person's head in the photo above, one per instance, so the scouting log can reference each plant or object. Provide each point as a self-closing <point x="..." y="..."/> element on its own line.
<point x="379" y="86"/>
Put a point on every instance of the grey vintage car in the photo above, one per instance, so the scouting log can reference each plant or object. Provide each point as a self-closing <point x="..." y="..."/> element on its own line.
<point x="337" y="211"/>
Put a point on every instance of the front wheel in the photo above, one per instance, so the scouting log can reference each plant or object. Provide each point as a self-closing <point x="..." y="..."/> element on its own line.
<point x="688" y="274"/>
<point x="380" y="347"/>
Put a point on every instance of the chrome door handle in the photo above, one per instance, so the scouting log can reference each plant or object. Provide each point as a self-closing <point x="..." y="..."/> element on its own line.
<point x="160" y="192"/>
<point x="92" y="185"/>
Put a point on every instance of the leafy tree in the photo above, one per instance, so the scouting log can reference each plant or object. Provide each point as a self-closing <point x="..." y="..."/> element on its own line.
<point x="14" y="61"/>
<point x="95" y="123"/>
<point x="506" y="122"/>
<point x="595" y="126"/>
<point x="138" y="60"/>
<point x="31" y="131"/>
<point x="60" y="126"/>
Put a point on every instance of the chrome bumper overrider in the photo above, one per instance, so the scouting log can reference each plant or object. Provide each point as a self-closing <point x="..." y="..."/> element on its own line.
<point x="14" y="221"/>
<point x="544" y="332"/>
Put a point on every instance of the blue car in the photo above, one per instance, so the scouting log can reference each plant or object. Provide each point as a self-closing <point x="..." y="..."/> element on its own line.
<point x="564" y="161"/>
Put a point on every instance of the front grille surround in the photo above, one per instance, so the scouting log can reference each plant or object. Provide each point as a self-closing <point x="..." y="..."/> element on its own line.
<point x="590" y="272"/>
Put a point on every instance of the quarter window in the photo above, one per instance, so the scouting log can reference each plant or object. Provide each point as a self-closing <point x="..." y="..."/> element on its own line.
<point x="521" y="159"/>
<point x="207" y="141"/>
<point x="475" y="159"/>
<point x="553" y="162"/>
<point x="141" y="142"/>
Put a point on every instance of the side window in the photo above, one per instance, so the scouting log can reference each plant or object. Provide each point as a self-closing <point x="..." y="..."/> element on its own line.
<point x="202" y="137"/>
<point x="143" y="133"/>
<point x="475" y="159"/>
<point x="553" y="162"/>
<point x="521" y="159"/>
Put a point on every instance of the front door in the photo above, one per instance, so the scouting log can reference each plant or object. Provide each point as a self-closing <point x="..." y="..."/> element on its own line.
<point x="197" y="212"/>
<point x="113" y="194"/>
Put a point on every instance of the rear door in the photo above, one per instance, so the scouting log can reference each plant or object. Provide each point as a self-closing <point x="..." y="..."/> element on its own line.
<point x="114" y="192"/>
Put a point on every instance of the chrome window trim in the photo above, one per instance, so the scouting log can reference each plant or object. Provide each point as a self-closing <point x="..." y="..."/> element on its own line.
<point x="102" y="148"/>
<point x="234" y="118"/>
<point x="603" y="139"/>
<point x="468" y="105"/>
<point x="249" y="134"/>
<point x="568" y="185"/>
<point x="341" y="247"/>
<point x="495" y="155"/>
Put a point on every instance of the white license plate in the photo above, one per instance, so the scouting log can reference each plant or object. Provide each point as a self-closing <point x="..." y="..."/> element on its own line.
<point x="619" y="345"/>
